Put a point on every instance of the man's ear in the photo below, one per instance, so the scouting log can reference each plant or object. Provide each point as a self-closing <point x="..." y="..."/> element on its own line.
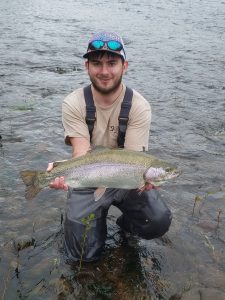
<point x="86" y="64"/>
<point x="125" y="66"/>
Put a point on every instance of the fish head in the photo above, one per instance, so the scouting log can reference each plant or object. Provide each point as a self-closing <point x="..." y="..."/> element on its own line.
<point x="158" y="174"/>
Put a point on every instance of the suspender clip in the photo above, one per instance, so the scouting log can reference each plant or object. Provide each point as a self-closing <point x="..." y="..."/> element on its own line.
<point x="90" y="120"/>
<point x="123" y="120"/>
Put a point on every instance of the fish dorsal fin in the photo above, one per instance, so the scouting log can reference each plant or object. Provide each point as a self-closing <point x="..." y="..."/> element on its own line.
<point x="99" y="149"/>
<point x="95" y="149"/>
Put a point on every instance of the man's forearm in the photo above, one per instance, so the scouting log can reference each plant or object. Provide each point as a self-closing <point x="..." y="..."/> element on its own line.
<point x="80" y="146"/>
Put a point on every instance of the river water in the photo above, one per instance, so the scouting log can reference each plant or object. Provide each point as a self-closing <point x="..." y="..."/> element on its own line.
<point x="177" y="61"/>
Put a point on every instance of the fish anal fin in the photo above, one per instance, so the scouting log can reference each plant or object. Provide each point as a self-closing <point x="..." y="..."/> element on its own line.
<point x="99" y="192"/>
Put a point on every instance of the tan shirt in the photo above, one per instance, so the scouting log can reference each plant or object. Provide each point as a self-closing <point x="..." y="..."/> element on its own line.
<point x="106" y="125"/>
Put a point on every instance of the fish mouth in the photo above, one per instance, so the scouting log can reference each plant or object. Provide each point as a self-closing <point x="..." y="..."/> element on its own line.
<point x="171" y="175"/>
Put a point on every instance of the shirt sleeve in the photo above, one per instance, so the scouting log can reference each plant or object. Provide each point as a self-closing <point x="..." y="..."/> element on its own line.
<point x="73" y="119"/>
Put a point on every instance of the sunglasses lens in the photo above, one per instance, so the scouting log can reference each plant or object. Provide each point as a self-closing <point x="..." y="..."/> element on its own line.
<point x="115" y="45"/>
<point x="112" y="45"/>
<point x="95" y="45"/>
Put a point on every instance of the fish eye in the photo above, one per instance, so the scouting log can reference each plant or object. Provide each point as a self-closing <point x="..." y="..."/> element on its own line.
<point x="168" y="169"/>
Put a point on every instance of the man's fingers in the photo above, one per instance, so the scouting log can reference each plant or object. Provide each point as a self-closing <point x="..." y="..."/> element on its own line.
<point x="65" y="187"/>
<point x="50" y="167"/>
<point x="55" y="183"/>
<point x="59" y="183"/>
<point x="148" y="186"/>
<point x="151" y="186"/>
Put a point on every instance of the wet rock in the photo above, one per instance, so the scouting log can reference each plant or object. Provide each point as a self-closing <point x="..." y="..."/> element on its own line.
<point x="208" y="225"/>
<point x="102" y="290"/>
<point x="203" y="294"/>
<point x="64" y="287"/>
<point x="23" y="242"/>
<point x="9" y="138"/>
<point x="213" y="277"/>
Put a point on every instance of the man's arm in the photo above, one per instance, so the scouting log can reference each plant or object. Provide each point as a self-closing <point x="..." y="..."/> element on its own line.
<point x="137" y="134"/>
<point x="80" y="146"/>
<point x="76" y="131"/>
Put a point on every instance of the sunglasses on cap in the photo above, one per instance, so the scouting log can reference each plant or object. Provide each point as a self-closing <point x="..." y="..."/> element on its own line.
<point x="111" y="45"/>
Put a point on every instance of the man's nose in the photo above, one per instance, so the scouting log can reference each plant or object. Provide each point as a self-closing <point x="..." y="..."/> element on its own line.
<point x="104" y="69"/>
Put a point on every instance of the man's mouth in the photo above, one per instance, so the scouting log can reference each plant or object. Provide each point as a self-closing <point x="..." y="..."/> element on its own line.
<point x="104" y="79"/>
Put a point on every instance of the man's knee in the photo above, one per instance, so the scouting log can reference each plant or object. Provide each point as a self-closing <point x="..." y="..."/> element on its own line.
<point x="156" y="226"/>
<point x="158" y="215"/>
<point x="146" y="215"/>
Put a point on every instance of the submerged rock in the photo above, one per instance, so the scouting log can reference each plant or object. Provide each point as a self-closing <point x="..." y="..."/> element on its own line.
<point x="23" y="242"/>
<point x="203" y="294"/>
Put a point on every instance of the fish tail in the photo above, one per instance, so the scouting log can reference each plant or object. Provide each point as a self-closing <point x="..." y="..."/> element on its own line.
<point x="30" y="179"/>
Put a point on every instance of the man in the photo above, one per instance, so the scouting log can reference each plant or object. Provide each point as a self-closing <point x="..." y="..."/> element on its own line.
<point x="145" y="214"/>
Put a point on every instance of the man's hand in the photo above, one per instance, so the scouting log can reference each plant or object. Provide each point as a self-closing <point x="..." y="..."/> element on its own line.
<point x="59" y="182"/>
<point x="80" y="147"/>
<point x="147" y="187"/>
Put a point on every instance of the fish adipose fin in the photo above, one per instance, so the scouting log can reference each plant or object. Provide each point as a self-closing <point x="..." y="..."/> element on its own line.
<point x="99" y="192"/>
<point x="30" y="179"/>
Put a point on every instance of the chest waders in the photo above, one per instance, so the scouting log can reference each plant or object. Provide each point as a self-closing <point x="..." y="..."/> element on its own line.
<point x="145" y="215"/>
<point x="123" y="117"/>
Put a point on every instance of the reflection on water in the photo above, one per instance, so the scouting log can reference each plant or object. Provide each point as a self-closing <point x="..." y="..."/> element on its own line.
<point x="176" y="61"/>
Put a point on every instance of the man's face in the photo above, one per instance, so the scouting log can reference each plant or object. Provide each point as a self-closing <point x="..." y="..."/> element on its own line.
<point x="106" y="72"/>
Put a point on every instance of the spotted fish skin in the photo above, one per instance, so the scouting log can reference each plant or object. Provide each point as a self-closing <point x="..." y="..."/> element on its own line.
<point x="108" y="168"/>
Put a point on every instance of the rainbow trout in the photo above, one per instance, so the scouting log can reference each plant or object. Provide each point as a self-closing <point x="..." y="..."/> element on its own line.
<point x="105" y="168"/>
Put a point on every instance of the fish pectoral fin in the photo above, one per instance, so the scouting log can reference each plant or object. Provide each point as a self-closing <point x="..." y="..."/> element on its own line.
<point x="99" y="192"/>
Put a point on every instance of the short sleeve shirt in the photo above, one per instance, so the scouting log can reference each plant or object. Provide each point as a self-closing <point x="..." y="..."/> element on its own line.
<point x="106" y="126"/>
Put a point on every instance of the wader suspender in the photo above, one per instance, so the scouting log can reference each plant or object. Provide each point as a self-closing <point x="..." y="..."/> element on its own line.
<point x="123" y="117"/>
<point x="90" y="109"/>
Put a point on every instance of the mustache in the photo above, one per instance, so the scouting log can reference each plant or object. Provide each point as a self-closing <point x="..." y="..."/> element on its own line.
<point x="104" y="77"/>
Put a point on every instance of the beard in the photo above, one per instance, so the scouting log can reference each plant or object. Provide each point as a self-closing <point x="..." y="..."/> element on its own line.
<point x="107" y="90"/>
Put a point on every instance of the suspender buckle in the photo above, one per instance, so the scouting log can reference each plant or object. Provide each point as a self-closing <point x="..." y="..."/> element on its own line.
<point x="122" y="126"/>
<point x="123" y="120"/>
<point x="90" y="121"/>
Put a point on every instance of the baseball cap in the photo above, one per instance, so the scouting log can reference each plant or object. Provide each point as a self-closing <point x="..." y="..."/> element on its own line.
<point x="106" y="41"/>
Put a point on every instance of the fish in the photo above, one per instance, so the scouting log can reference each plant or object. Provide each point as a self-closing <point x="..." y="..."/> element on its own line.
<point x="102" y="169"/>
